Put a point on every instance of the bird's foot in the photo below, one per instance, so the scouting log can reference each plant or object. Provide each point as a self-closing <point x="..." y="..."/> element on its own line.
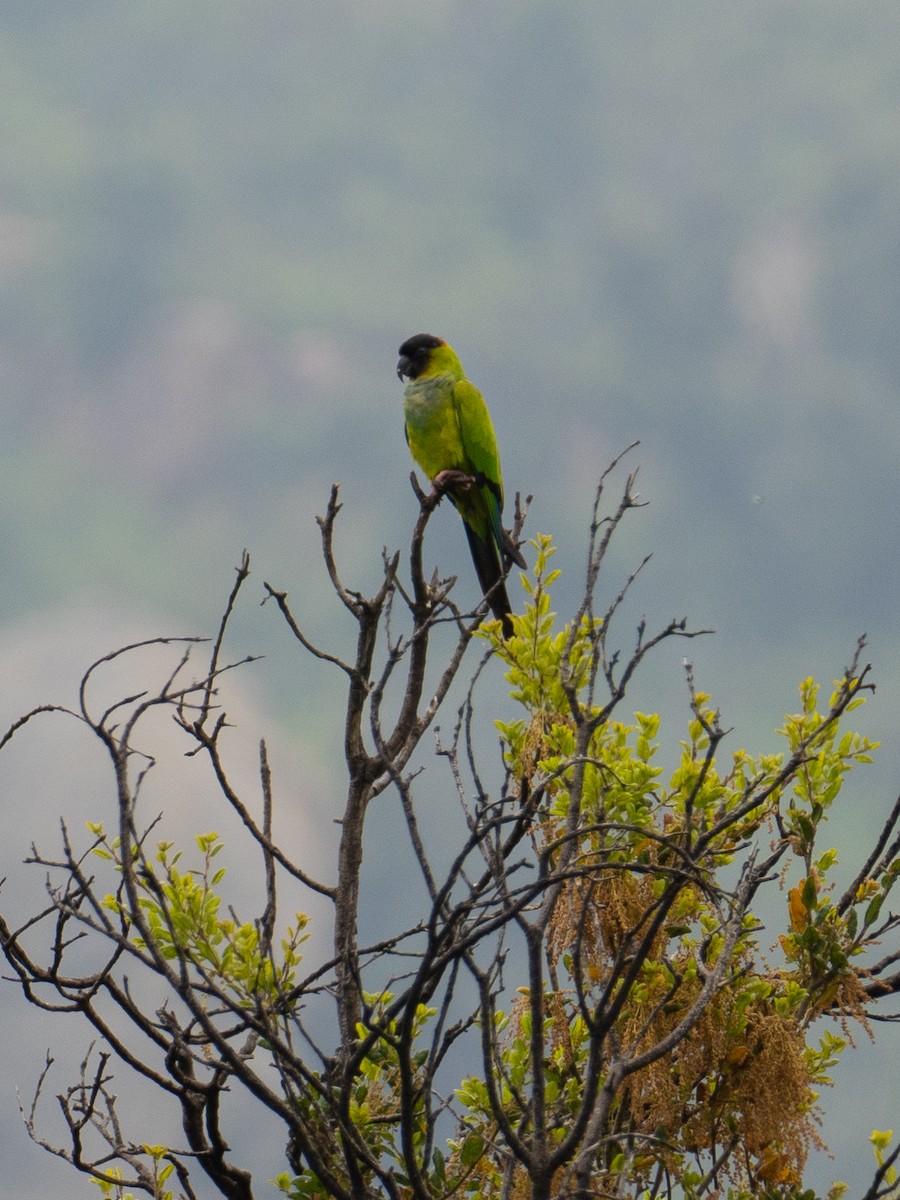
<point x="453" y="481"/>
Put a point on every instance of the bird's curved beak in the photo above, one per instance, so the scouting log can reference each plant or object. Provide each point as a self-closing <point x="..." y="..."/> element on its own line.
<point x="404" y="368"/>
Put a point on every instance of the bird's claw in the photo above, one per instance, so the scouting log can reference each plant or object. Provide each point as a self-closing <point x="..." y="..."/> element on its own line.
<point x="452" y="480"/>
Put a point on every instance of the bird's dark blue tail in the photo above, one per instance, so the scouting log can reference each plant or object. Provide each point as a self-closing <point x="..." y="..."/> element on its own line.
<point x="489" y="568"/>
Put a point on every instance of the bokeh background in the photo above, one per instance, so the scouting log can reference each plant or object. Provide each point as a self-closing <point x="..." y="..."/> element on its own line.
<point x="672" y="223"/>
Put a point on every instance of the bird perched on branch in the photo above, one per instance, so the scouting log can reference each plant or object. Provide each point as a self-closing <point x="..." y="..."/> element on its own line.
<point x="450" y="435"/>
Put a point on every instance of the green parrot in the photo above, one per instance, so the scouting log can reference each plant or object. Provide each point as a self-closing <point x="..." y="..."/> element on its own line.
<point x="450" y="435"/>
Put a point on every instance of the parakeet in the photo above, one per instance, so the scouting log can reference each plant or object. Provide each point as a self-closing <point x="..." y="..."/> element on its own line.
<point x="450" y="435"/>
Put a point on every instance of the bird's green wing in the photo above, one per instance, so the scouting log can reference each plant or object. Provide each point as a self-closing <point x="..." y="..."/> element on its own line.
<point x="477" y="434"/>
<point x="481" y="509"/>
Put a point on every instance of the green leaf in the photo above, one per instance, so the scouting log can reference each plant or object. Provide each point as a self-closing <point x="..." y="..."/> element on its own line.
<point x="873" y="910"/>
<point x="472" y="1150"/>
<point x="440" y="1170"/>
<point x="805" y="825"/>
<point x="674" y="931"/>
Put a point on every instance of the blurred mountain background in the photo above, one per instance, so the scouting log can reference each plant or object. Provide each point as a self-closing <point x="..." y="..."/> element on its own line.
<point x="673" y="223"/>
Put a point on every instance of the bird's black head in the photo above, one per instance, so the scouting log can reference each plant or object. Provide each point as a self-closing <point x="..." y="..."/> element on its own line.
<point x="414" y="354"/>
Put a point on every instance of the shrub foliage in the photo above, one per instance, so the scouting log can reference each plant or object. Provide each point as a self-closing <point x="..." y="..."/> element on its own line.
<point x="592" y="955"/>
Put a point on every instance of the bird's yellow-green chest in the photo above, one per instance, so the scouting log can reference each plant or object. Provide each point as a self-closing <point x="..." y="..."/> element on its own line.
<point x="432" y="426"/>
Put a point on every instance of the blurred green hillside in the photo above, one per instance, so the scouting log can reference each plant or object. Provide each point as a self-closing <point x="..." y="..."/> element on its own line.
<point x="672" y="223"/>
<point x="677" y="223"/>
